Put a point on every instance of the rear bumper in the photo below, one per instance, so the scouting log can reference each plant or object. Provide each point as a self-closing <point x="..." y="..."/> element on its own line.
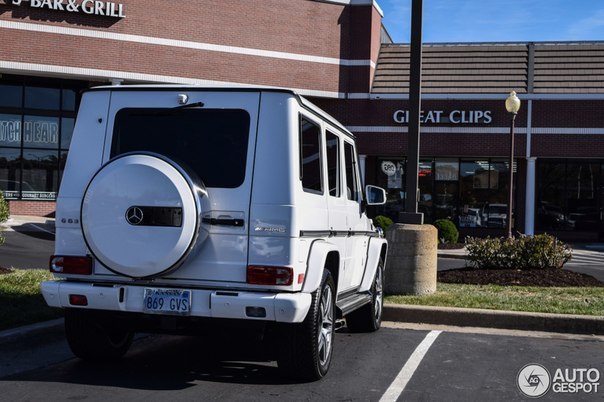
<point x="279" y="307"/>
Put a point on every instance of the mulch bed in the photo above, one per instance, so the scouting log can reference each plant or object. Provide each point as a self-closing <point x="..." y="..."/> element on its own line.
<point x="519" y="277"/>
<point x="450" y="246"/>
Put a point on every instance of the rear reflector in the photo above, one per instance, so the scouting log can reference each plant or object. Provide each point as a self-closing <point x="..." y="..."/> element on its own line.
<point x="261" y="275"/>
<point x="67" y="264"/>
<point x="78" y="300"/>
<point x="256" y="312"/>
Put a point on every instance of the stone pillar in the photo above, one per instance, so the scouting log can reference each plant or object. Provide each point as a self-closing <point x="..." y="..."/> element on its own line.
<point x="412" y="257"/>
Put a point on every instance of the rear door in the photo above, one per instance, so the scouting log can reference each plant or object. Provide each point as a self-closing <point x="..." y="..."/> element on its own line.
<point x="357" y="241"/>
<point x="212" y="135"/>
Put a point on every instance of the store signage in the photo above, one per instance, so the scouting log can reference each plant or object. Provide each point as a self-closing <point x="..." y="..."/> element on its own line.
<point x="102" y="8"/>
<point x="38" y="195"/>
<point x="29" y="195"/>
<point x="389" y="168"/>
<point x="442" y="117"/>
<point x="394" y="172"/>
<point x="35" y="132"/>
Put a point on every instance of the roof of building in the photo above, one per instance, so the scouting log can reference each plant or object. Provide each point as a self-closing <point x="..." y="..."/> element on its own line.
<point x="546" y="67"/>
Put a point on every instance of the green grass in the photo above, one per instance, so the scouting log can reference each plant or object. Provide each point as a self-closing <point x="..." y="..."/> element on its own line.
<point x="586" y="301"/>
<point x="21" y="302"/>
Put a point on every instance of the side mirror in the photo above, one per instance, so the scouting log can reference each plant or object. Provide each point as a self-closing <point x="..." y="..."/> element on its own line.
<point x="375" y="195"/>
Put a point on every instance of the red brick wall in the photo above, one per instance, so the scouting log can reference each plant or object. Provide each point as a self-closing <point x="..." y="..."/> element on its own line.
<point x="299" y="27"/>
<point x="568" y="114"/>
<point x="546" y="114"/>
<point x="32" y="208"/>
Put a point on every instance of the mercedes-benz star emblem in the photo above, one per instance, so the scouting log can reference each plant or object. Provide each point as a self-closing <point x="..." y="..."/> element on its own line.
<point x="134" y="215"/>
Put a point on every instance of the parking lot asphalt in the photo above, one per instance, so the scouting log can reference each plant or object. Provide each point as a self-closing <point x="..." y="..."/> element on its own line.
<point x="33" y="240"/>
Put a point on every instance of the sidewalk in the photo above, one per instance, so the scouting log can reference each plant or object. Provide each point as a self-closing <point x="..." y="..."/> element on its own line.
<point x="577" y="248"/>
<point x="29" y="222"/>
<point x="460" y="253"/>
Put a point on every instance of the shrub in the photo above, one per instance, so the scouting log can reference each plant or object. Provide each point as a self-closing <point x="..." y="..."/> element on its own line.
<point x="383" y="222"/>
<point x="4" y="214"/>
<point x="447" y="231"/>
<point x="543" y="251"/>
<point x="525" y="252"/>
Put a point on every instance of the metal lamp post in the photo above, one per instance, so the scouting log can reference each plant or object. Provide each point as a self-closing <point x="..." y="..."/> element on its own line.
<point x="512" y="105"/>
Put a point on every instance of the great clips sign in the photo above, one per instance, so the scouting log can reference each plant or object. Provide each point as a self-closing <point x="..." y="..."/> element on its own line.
<point x="101" y="8"/>
<point x="446" y="117"/>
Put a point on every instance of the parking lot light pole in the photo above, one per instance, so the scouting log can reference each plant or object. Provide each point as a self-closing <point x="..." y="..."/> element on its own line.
<point x="411" y="214"/>
<point x="512" y="105"/>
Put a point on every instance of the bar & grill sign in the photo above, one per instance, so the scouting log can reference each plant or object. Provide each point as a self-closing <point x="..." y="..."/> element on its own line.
<point x="92" y="7"/>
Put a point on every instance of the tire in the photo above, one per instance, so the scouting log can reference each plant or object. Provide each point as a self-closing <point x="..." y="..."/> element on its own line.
<point x="369" y="317"/>
<point x="96" y="338"/>
<point x="305" y="349"/>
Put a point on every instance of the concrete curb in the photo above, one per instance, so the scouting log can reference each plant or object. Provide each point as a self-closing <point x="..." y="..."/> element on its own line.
<point x="459" y="317"/>
<point x="41" y="328"/>
<point x="466" y="317"/>
<point x="458" y="256"/>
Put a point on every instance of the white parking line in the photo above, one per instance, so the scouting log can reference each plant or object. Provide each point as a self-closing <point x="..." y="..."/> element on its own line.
<point x="42" y="229"/>
<point x="400" y="382"/>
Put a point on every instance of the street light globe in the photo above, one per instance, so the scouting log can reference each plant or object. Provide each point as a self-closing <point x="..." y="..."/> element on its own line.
<point x="512" y="103"/>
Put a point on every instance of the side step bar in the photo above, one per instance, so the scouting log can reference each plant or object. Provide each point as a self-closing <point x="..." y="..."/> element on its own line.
<point x="353" y="302"/>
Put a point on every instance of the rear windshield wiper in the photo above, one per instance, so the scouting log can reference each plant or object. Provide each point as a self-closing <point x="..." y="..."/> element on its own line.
<point x="194" y="104"/>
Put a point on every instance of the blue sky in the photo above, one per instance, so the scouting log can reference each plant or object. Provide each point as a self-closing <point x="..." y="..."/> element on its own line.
<point x="498" y="20"/>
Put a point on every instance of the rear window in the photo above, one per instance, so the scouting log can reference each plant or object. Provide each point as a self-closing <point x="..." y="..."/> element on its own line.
<point x="211" y="142"/>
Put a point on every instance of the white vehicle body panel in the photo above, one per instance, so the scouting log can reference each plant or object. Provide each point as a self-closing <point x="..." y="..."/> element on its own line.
<point x="282" y="225"/>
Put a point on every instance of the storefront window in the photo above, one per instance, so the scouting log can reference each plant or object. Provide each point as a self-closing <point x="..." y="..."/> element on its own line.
<point x="425" y="184"/>
<point x="391" y="177"/>
<point x="446" y="188"/>
<point x="552" y="200"/>
<point x="40" y="174"/>
<point x="484" y="193"/>
<point x="36" y="126"/>
<point x="10" y="130"/>
<point x="42" y="98"/>
<point x="68" y="100"/>
<point x="472" y="193"/>
<point x="40" y="132"/>
<point x="446" y="169"/>
<point x="570" y="196"/>
<point x="11" y="96"/>
<point x="446" y="200"/>
<point x="10" y="172"/>
<point x="67" y="125"/>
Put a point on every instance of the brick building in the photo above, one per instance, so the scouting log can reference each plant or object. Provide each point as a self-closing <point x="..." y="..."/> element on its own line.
<point x="338" y="54"/>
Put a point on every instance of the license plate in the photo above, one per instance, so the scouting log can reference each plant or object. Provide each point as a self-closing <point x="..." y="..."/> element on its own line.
<point x="167" y="301"/>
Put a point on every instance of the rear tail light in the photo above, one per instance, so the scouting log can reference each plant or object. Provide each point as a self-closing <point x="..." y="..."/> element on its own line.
<point x="266" y="275"/>
<point x="78" y="300"/>
<point x="67" y="264"/>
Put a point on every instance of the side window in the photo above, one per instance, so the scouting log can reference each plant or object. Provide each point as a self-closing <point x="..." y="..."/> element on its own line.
<point x="351" y="172"/>
<point x="333" y="164"/>
<point x="310" y="156"/>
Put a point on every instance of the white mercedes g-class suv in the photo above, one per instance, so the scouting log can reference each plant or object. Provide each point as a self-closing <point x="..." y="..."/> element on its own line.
<point x="182" y="206"/>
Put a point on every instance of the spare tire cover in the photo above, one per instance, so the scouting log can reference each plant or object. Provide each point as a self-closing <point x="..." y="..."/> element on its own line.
<point x="141" y="215"/>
